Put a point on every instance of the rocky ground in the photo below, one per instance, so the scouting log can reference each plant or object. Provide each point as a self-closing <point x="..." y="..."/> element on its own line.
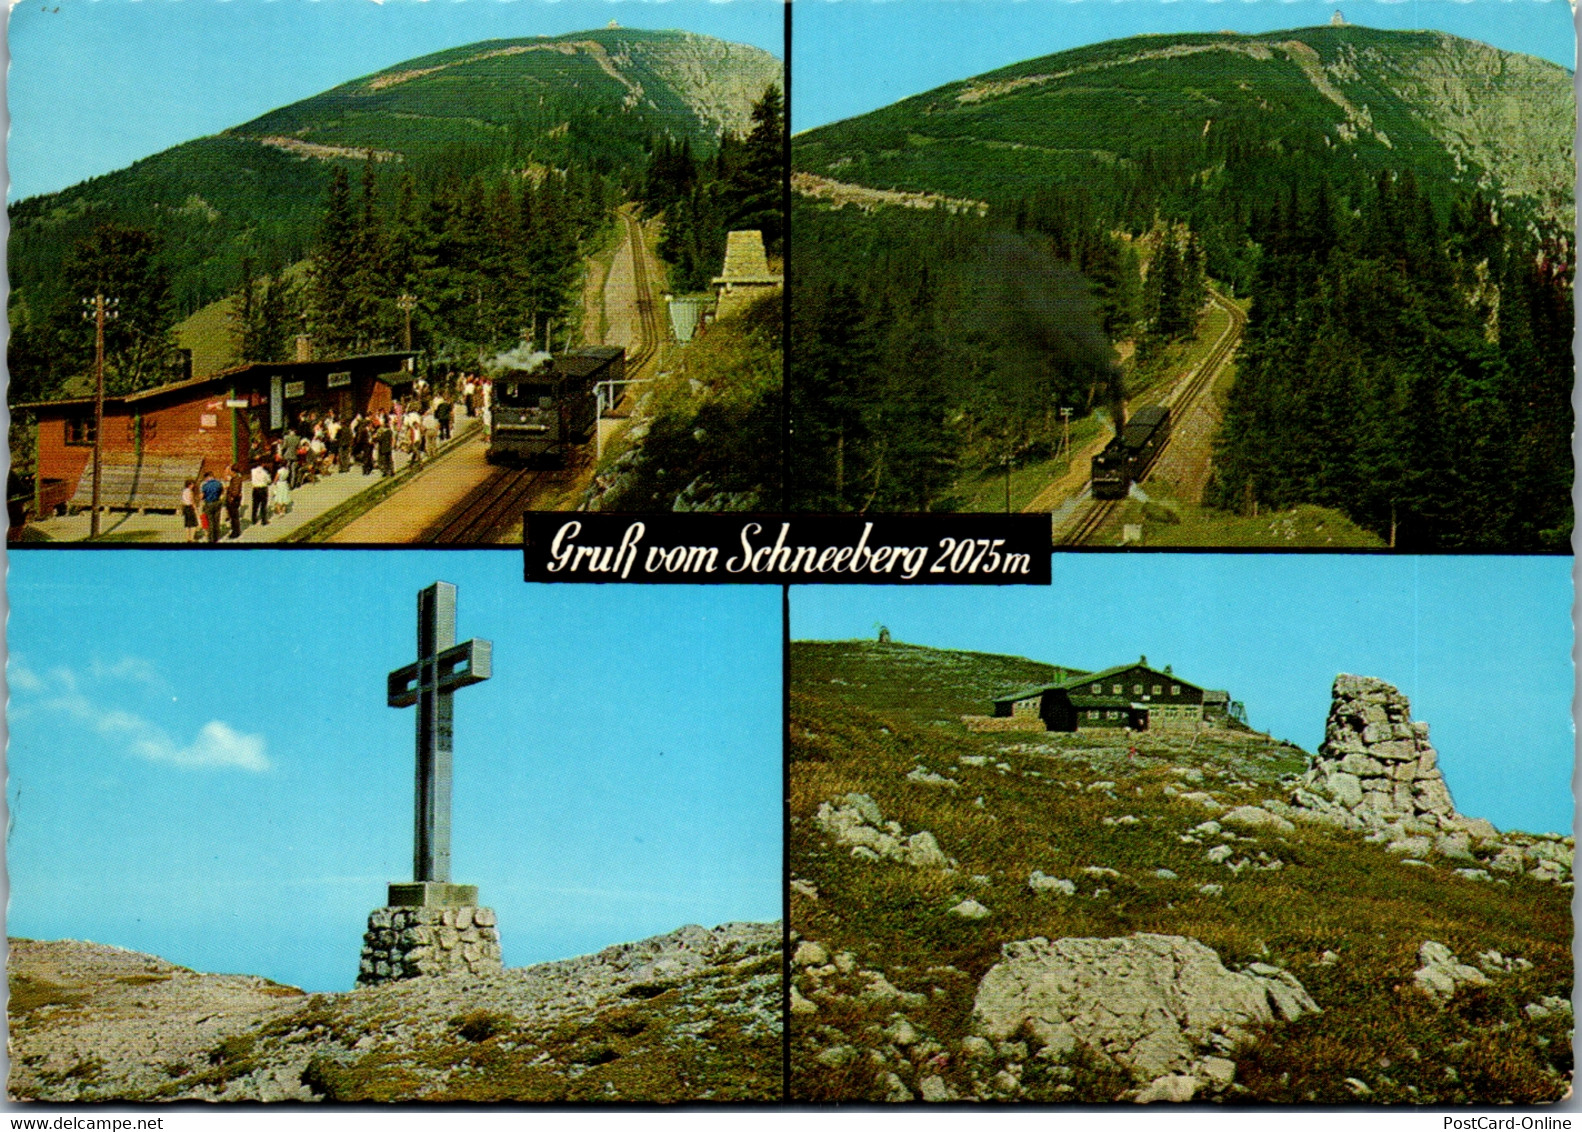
<point x="693" y="1015"/>
<point x="1038" y="917"/>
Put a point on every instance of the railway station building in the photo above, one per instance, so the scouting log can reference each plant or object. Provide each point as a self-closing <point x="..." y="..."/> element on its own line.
<point x="155" y="438"/>
<point x="1129" y="695"/>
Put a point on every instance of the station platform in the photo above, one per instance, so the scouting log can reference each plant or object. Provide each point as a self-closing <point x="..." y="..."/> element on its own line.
<point x="309" y="503"/>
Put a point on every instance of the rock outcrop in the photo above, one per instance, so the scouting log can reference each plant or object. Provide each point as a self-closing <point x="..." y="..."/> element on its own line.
<point x="1377" y="771"/>
<point x="856" y="820"/>
<point x="1159" y="1006"/>
<point x="94" y="1023"/>
<point x="1442" y="972"/>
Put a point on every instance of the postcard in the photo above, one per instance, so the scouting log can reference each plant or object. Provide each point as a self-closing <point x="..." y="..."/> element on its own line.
<point x="330" y="780"/>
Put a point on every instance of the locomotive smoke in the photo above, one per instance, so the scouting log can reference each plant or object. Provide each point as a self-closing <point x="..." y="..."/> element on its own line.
<point x="1040" y="313"/>
<point x="522" y="358"/>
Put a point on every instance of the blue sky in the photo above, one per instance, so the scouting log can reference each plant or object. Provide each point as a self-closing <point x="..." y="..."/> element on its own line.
<point x="96" y="84"/>
<point x="852" y="56"/>
<point x="1482" y="646"/>
<point x="202" y="764"/>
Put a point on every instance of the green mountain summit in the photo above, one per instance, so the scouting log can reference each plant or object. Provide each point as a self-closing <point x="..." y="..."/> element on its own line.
<point x="1201" y="107"/>
<point x="592" y="102"/>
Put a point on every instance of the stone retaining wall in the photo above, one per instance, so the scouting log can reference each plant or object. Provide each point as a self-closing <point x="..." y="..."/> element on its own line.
<point x="1003" y="722"/>
<point x="406" y="943"/>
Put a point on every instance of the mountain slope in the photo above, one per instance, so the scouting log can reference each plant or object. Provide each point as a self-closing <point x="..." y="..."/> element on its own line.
<point x="923" y="856"/>
<point x="1457" y="111"/>
<point x="532" y="91"/>
<point x="691" y="1015"/>
<point x="587" y="100"/>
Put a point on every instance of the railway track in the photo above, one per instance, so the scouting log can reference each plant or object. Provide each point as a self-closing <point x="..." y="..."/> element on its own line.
<point x="647" y="315"/>
<point x="1181" y="398"/>
<point x="496" y="504"/>
<point x="490" y="507"/>
<point x="1097" y="514"/>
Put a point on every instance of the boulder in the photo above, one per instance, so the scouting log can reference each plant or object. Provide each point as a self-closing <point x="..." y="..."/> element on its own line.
<point x="1175" y="1089"/>
<point x="1256" y="817"/>
<point x="810" y="954"/>
<point x="1150" y="1003"/>
<point x="857" y="821"/>
<point x="1441" y="972"/>
<point x="1038" y="882"/>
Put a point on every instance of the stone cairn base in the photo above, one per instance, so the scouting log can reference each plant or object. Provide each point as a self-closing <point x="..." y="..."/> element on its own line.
<point x="406" y="943"/>
<point x="1377" y="772"/>
<point x="1375" y="761"/>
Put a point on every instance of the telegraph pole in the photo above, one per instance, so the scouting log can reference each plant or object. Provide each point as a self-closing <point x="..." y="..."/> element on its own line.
<point x="98" y="309"/>
<point x="408" y="304"/>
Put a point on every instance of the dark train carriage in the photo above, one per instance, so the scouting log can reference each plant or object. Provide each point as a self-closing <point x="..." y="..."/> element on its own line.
<point x="1129" y="455"/>
<point x="540" y="413"/>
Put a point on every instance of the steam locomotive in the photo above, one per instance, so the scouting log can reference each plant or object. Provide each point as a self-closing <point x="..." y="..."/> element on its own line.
<point x="1127" y="458"/>
<point x="538" y="413"/>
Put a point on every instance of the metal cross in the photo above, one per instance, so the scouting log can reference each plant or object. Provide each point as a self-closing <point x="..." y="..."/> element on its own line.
<point x="442" y="666"/>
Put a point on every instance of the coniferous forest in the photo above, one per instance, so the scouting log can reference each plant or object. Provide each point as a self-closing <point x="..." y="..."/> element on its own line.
<point x="487" y="258"/>
<point x="472" y="179"/>
<point x="1413" y="373"/>
<point x="1407" y="359"/>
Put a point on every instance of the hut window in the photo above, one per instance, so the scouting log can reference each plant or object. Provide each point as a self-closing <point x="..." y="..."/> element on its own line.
<point x="1175" y="689"/>
<point x="1137" y="689"/>
<point x="79" y="430"/>
<point x="1097" y="688"/>
<point x="1093" y="715"/>
<point x="1109" y="715"/>
<point x="1117" y="689"/>
<point x="1158" y="688"/>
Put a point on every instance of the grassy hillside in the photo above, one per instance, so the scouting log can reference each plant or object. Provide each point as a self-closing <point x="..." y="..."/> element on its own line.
<point x="884" y="677"/>
<point x="592" y="100"/>
<point x="1338" y="912"/>
<point x="706" y="435"/>
<point x="1273" y="107"/>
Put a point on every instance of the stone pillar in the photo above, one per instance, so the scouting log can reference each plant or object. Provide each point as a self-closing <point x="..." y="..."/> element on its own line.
<point x="413" y="940"/>
<point x="1374" y="759"/>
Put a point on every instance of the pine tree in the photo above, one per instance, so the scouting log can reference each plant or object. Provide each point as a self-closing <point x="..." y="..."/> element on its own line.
<point x="369" y="303"/>
<point x="122" y="264"/>
<point x="757" y="190"/>
<point x="333" y="269"/>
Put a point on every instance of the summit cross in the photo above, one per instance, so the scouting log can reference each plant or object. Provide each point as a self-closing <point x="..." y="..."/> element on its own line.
<point x="430" y="683"/>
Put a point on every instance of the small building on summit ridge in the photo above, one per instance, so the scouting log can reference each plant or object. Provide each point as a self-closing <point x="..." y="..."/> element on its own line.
<point x="1128" y="695"/>
<point x="745" y="277"/>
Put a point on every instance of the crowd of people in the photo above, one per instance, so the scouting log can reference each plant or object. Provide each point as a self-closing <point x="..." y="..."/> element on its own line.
<point x="314" y="447"/>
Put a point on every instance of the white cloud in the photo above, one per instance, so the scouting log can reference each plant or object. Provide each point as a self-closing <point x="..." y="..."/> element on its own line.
<point x="22" y="678"/>
<point x="127" y="670"/>
<point x="216" y="745"/>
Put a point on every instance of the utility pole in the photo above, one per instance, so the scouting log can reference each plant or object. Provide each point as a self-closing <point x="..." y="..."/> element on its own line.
<point x="1065" y="440"/>
<point x="98" y="309"/>
<point x="407" y="303"/>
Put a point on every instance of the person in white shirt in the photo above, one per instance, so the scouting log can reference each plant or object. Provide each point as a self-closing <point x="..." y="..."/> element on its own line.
<point x="260" y="477"/>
